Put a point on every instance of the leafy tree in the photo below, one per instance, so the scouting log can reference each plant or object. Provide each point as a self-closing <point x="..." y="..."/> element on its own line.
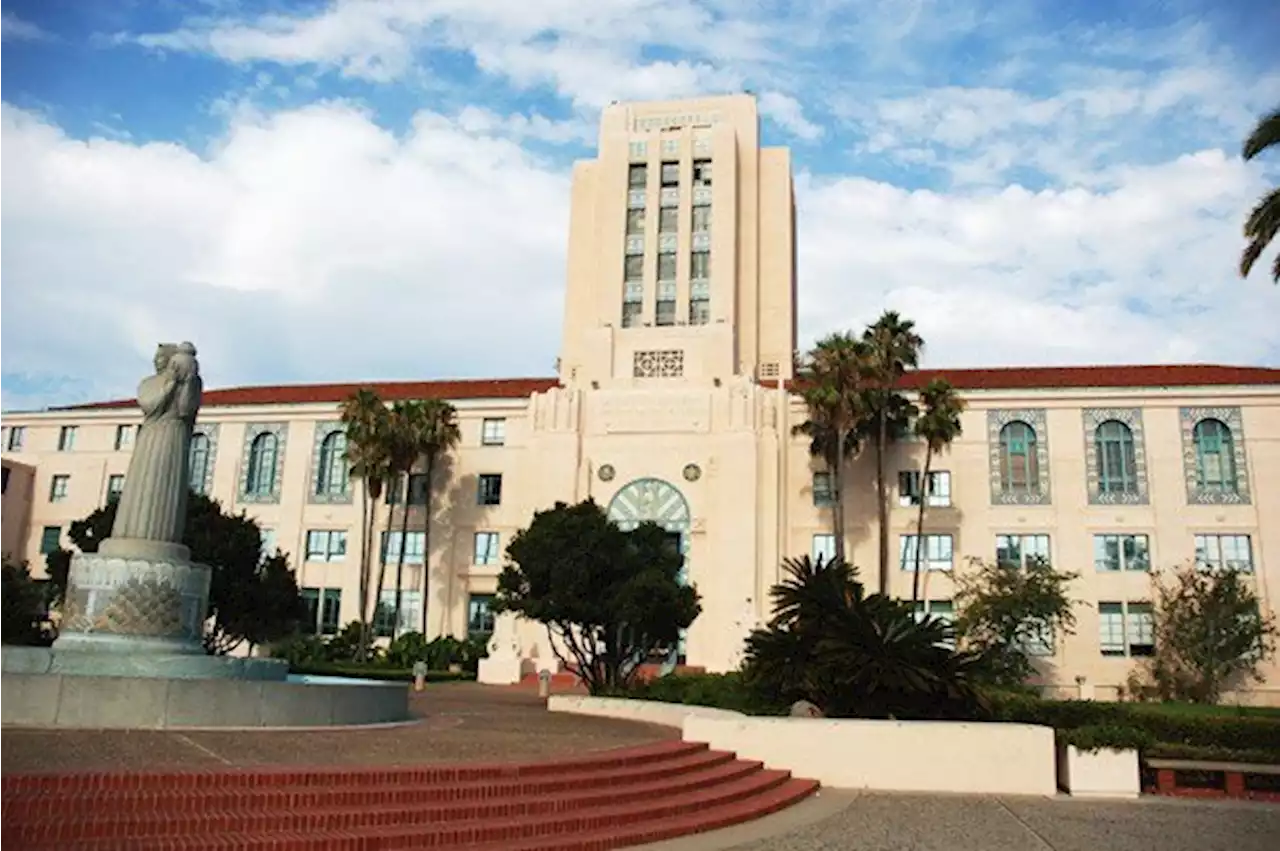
<point x="831" y="376"/>
<point x="25" y="609"/>
<point x="434" y="433"/>
<point x="855" y="654"/>
<point x="612" y="597"/>
<point x="402" y="435"/>
<point x="1004" y="609"/>
<point x="892" y="347"/>
<point x="1210" y="634"/>
<point x="250" y="598"/>
<point x="1264" y="221"/>
<point x="367" y="422"/>
<point x="938" y="425"/>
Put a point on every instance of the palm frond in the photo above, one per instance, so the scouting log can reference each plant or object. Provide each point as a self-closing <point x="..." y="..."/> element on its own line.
<point x="1264" y="135"/>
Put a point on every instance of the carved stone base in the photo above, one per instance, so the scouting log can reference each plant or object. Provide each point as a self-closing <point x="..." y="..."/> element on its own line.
<point x="117" y="605"/>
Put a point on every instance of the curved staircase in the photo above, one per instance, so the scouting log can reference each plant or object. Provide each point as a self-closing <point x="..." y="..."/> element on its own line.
<point x="609" y="799"/>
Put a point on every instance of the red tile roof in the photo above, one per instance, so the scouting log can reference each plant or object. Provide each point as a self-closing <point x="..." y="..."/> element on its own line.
<point x="999" y="378"/>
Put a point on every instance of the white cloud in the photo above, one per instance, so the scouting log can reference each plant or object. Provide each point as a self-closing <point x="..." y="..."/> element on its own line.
<point x="13" y="28"/>
<point x="304" y="244"/>
<point x="314" y="245"/>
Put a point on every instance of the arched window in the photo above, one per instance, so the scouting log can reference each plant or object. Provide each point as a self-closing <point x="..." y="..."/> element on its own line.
<point x="1117" y="464"/>
<point x="1020" y="471"/>
<point x="331" y="471"/>
<point x="261" y="478"/>
<point x="1215" y="456"/>
<point x="199" y="461"/>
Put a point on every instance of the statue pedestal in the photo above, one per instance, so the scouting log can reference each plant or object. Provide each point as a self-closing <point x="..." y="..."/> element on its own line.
<point x="503" y="666"/>
<point x="123" y="604"/>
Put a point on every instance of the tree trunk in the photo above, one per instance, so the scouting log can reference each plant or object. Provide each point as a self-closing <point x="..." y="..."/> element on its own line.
<point x="366" y="522"/>
<point x="426" y="539"/>
<point x="404" y="533"/>
<point x="924" y="497"/>
<point x="837" y="494"/>
<point x="382" y="571"/>
<point x="883" y="506"/>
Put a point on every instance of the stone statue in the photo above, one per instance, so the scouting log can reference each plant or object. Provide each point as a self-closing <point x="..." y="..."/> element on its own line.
<point x="152" y="510"/>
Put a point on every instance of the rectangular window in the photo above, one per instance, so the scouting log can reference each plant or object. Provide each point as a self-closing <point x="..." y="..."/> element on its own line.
<point x="669" y="220"/>
<point x="909" y="488"/>
<point x="50" y="539"/>
<point x="1121" y="552"/>
<point x="1019" y="550"/>
<point x="58" y="487"/>
<point x="1126" y="629"/>
<point x="67" y="438"/>
<point x="17" y="437"/>
<point x="385" y="612"/>
<point x="330" y="611"/>
<point x="413" y="547"/>
<point x="486" y="548"/>
<point x="670" y="174"/>
<point x="823" y="495"/>
<point x="699" y="311"/>
<point x="489" y="491"/>
<point x="666" y="266"/>
<point x="311" y="605"/>
<point x="1224" y="552"/>
<point x="943" y="610"/>
<point x="634" y="267"/>
<point x="115" y="487"/>
<point x="665" y="312"/>
<point x="938" y="554"/>
<point x="702" y="218"/>
<point x="824" y="547"/>
<point x="637" y="176"/>
<point x="480" y="615"/>
<point x="326" y="545"/>
<point x="493" y="431"/>
<point x="701" y="264"/>
<point x="631" y="314"/>
<point x="268" y="538"/>
<point x="635" y="222"/>
<point x="702" y="172"/>
<point x="124" y="437"/>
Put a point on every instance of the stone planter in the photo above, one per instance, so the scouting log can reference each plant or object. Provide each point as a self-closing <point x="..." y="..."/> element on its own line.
<point x="1104" y="773"/>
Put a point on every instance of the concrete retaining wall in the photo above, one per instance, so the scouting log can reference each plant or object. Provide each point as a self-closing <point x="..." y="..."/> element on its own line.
<point x="52" y="700"/>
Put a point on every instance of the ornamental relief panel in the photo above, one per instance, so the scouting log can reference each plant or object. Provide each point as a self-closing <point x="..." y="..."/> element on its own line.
<point x="1132" y="418"/>
<point x="637" y="413"/>
<point x="343" y="497"/>
<point x="210" y="433"/>
<point x="1037" y="419"/>
<point x="251" y="433"/>
<point x="1232" y="419"/>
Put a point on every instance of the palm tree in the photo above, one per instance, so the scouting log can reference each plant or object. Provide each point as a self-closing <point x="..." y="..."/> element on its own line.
<point x="366" y="420"/>
<point x="893" y="347"/>
<point x="403" y="448"/>
<point x="832" y="376"/>
<point x="437" y="435"/>
<point x="1264" y="222"/>
<point x="938" y="424"/>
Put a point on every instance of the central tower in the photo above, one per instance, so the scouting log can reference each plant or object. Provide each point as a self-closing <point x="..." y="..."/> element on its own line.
<point x="681" y="261"/>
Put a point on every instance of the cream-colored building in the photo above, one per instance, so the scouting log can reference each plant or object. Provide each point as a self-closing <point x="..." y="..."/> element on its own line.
<point x="671" y="404"/>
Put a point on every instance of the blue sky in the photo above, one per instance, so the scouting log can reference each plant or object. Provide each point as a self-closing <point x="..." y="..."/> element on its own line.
<point x="356" y="190"/>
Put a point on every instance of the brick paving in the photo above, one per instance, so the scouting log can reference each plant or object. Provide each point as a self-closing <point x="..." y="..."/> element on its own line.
<point x="460" y="722"/>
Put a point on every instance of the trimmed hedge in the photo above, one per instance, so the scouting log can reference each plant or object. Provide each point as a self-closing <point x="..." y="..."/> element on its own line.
<point x="376" y="672"/>
<point x="1173" y="731"/>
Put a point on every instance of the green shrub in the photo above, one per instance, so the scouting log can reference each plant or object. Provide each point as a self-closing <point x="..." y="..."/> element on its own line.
<point x="1099" y="736"/>
<point x="439" y="653"/>
<point x="376" y="672"/>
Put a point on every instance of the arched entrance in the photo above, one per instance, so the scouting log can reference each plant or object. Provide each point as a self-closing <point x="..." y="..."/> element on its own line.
<point x="662" y="503"/>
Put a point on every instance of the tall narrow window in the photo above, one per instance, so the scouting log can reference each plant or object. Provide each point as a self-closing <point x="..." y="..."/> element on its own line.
<point x="669" y="220"/>
<point x="1019" y="467"/>
<point x="480" y="615"/>
<point x="633" y="268"/>
<point x="699" y="311"/>
<point x="331" y="471"/>
<point x="702" y="172"/>
<point x="1117" y="464"/>
<point x="701" y="218"/>
<point x="67" y="438"/>
<point x="670" y="174"/>
<point x="666" y="266"/>
<point x="261" y="478"/>
<point x="824" y="547"/>
<point x="635" y="222"/>
<point x="124" y="437"/>
<point x="199" y="460"/>
<point x="700" y="265"/>
<point x="631" y="313"/>
<point x="1215" y="456"/>
<point x="637" y="176"/>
